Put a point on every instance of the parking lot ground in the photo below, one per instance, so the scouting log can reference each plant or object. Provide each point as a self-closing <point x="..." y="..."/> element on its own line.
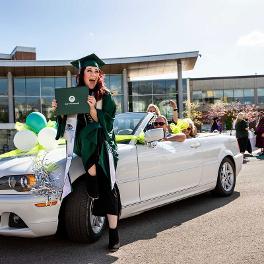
<point x="202" y="229"/>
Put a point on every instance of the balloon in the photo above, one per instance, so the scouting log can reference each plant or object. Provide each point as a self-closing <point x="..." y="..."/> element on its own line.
<point x="46" y="138"/>
<point x="25" y="140"/>
<point x="36" y="121"/>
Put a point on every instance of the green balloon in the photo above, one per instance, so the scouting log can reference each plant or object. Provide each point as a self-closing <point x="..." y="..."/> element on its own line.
<point x="36" y="121"/>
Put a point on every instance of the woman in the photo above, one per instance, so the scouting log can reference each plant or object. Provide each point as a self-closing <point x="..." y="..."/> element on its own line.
<point x="241" y="127"/>
<point x="260" y="133"/>
<point x="189" y="132"/>
<point x="153" y="109"/>
<point x="94" y="138"/>
<point x="216" y="125"/>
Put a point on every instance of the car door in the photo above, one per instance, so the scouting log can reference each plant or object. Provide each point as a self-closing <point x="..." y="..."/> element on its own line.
<point x="127" y="174"/>
<point x="167" y="167"/>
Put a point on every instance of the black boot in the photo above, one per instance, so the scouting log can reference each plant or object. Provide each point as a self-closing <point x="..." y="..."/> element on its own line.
<point x="92" y="186"/>
<point x="113" y="240"/>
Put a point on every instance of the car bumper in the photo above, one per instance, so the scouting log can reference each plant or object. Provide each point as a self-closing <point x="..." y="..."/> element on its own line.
<point x="238" y="162"/>
<point x="40" y="221"/>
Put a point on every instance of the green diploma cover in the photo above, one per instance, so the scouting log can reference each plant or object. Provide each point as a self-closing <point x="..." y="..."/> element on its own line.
<point x="72" y="100"/>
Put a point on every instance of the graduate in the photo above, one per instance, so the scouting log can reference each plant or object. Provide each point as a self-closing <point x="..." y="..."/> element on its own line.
<point x="95" y="143"/>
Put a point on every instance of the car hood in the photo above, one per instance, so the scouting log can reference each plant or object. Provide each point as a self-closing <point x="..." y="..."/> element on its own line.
<point x="23" y="165"/>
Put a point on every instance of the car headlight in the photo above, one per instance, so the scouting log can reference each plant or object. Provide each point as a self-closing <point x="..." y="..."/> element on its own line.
<point x="20" y="183"/>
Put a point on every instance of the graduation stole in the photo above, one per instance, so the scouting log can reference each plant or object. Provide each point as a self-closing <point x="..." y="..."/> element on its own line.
<point x="69" y="135"/>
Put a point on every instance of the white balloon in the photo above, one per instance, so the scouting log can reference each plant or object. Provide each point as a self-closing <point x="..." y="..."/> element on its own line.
<point x="46" y="138"/>
<point x="25" y="140"/>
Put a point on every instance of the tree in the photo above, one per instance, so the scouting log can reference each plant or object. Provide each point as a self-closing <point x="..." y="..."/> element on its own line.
<point x="193" y="112"/>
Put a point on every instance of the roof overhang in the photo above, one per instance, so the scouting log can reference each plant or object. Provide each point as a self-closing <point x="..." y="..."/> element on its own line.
<point x="135" y="66"/>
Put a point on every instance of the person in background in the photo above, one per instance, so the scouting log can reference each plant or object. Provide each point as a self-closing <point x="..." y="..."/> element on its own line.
<point x="260" y="133"/>
<point x="216" y="125"/>
<point x="161" y="122"/>
<point x="241" y="127"/>
<point x="153" y="109"/>
<point x="189" y="131"/>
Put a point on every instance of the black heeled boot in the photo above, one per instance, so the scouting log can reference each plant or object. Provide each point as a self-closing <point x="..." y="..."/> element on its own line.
<point x="92" y="186"/>
<point x="113" y="240"/>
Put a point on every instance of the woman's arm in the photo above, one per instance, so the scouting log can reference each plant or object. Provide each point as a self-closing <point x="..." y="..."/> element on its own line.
<point x="174" y="110"/>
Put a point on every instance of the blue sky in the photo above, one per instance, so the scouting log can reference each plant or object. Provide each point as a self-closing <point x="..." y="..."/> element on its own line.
<point x="229" y="34"/>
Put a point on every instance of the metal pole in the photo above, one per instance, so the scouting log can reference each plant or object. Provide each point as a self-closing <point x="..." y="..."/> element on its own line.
<point x="10" y="98"/>
<point x="180" y="91"/>
<point x="125" y="90"/>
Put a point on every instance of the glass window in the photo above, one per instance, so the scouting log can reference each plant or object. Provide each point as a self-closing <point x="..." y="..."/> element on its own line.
<point x="19" y="86"/>
<point x="162" y="101"/>
<point x="197" y="96"/>
<point x="119" y="103"/>
<point x="47" y="86"/>
<point x="3" y="86"/>
<point x="46" y="106"/>
<point x="171" y="86"/>
<point x="238" y="95"/>
<point x="218" y="95"/>
<point x="145" y="87"/>
<point x="33" y="86"/>
<point x="249" y="96"/>
<point x="107" y="81"/>
<point x="33" y="104"/>
<point x="116" y="84"/>
<point x="20" y="109"/>
<point x="208" y="96"/>
<point x="228" y="95"/>
<point x="133" y="88"/>
<point x="60" y="82"/>
<point x="3" y="109"/>
<point x="159" y="87"/>
<point x="74" y="82"/>
<point x="139" y="103"/>
<point x="260" y="92"/>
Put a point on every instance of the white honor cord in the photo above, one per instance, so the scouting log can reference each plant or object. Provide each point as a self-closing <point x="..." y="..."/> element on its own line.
<point x="69" y="135"/>
<point x="112" y="168"/>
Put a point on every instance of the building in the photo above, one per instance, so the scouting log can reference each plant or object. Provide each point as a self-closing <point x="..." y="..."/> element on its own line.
<point x="27" y="84"/>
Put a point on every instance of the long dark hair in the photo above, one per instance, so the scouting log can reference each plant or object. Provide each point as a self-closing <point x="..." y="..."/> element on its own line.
<point x="99" y="89"/>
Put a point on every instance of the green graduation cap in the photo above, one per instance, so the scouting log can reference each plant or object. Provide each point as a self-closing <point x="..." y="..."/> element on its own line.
<point x="90" y="60"/>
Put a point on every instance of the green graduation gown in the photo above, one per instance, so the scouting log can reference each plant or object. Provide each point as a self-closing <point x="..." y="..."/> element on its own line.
<point x="89" y="135"/>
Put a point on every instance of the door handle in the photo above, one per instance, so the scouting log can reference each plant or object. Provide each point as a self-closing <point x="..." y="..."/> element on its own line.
<point x="195" y="145"/>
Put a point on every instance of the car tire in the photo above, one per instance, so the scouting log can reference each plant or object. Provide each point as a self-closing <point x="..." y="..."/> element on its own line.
<point x="226" y="179"/>
<point x="80" y="224"/>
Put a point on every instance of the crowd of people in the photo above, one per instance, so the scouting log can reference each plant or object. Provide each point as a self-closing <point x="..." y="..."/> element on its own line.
<point x="181" y="129"/>
<point x="174" y="130"/>
<point x="243" y="130"/>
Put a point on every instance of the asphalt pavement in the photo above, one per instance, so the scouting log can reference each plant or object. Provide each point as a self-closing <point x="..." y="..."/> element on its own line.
<point x="202" y="229"/>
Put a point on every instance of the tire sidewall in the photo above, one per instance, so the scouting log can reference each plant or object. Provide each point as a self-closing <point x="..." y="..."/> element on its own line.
<point x="219" y="187"/>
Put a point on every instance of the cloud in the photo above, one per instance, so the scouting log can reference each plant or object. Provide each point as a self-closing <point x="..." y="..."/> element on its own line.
<point x="253" y="39"/>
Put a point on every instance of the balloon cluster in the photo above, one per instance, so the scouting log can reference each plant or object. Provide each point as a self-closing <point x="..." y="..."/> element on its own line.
<point x="37" y="132"/>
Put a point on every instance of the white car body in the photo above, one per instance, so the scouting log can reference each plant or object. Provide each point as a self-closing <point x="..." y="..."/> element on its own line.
<point x="148" y="176"/>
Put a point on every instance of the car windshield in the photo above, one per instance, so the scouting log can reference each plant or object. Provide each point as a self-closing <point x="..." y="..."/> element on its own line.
<point x="125" y="125"/>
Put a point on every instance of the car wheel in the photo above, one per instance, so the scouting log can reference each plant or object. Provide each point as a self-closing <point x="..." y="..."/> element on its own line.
<point x="80" y="224"/>
<point x="226" y="180"/>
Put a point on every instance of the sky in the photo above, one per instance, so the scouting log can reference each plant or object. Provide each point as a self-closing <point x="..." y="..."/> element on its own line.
<point x="229" y="34"/>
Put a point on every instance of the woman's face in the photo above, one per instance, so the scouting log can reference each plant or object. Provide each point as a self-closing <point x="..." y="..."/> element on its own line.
<point x="91" y="76"/>
<point x="187" y="131"/>
<point x="152" y="109"/>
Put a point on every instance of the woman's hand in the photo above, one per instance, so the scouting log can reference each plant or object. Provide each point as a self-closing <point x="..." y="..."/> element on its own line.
<point x="91" y="101"/>
<point x="172" y="104"/>
<point x="54" y="105"/>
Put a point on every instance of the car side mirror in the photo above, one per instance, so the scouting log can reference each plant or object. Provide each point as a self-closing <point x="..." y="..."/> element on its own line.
<point x="154" y="135"/>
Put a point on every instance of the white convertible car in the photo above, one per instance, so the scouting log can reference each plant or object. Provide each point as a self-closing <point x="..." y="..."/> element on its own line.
<point x="149" y="174"/>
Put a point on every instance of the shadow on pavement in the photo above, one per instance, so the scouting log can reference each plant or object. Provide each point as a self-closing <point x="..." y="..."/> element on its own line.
<point x="145" y="226"/>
